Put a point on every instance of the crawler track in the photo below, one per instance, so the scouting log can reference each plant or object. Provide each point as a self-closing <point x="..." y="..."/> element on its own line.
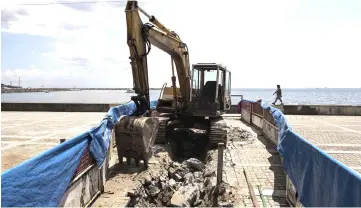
<point x="160" y="139"/>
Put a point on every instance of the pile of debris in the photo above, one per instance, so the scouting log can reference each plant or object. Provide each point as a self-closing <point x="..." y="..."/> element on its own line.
<point x="237" y="134"/>
<point x="186" y="184"/>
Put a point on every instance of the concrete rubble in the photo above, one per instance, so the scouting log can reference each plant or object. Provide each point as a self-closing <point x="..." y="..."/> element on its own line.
<point x="187" y="184"/>
<point x="237" y="134"/>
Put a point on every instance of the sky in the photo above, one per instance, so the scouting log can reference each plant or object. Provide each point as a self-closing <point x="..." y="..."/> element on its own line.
<point x="294" y="43"/>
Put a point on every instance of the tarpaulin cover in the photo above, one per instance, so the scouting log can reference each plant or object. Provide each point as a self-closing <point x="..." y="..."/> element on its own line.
<point x="320" y="180"/>
<point x="42" y="180"/>
<point x="239" y="105"/>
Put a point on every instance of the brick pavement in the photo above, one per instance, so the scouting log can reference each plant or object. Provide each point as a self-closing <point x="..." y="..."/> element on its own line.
<point x="27" y="134"/>
<point x="263" y="166"/>
<point x="339" y="136"/>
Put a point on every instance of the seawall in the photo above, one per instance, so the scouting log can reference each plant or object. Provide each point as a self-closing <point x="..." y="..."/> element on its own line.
<point x="22" y="90"/>
<point x="104" y="107"/>
<point x="335" y="110"/>
<point x="58" y="107"/>
<point x="348" y="110"/>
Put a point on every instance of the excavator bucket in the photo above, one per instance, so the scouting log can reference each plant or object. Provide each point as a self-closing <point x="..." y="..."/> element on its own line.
<point x="135" y="136"/>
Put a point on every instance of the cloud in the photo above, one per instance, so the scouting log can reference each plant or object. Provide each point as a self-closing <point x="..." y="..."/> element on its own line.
<point x="69" y="26"/>
<point x="30" y="73"/>
<point x="54" y="20"/>
<point x="67" y="77"/>
<point x="289" y="42"/>
<point x="78" y="61"/>
<point x="11" y="15"/>
<point x="88" y="7"/>
<point x="84" y="41"/>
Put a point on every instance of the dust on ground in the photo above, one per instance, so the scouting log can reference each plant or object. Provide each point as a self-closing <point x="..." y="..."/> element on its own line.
<point x="123" y="178"/>
<point x="166" y="183"/>
<point x="237" y="134"/>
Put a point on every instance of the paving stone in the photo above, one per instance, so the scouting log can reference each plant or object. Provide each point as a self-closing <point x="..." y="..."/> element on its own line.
<point x="339" y="136"/>
<point x="27" y="134"/>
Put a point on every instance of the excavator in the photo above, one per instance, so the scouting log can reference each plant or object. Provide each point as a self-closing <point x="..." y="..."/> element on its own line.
<point x="198" y="103"/>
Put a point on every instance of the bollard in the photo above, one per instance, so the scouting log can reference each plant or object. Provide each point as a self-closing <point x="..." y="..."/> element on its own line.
<point x="220" y="164"/>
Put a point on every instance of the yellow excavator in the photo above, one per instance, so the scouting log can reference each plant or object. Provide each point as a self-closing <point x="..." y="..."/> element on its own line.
<point x="202" y="97"/>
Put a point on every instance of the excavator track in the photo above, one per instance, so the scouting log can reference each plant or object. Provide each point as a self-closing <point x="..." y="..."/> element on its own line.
<point x="160" y="139"/>
<point x="217" y="132"/>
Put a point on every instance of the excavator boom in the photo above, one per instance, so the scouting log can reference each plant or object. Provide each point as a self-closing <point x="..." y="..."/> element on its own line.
<point x="140" y="38"/>
<point x="135" y="135"/>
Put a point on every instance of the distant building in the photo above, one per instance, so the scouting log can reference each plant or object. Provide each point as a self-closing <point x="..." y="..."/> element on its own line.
<point x="4" y="86"/>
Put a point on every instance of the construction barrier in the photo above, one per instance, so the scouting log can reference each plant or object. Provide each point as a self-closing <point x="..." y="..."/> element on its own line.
<point x="314" y="178"/>
<point x="246" y="110"/>
<point x="53" y="177"/>
<point x="69" y="174"/>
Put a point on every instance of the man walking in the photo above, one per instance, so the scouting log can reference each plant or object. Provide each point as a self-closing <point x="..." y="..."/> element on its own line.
<point x="278" y="93"/>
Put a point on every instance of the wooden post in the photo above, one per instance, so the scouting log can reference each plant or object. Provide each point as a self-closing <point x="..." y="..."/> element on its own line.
<point x="250" y="119"/>
<point x="220" y="163"/>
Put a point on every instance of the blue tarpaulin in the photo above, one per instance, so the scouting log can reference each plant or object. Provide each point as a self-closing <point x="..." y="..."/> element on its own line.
<point x="42" y="181"/>
<point x="320" y="180"/>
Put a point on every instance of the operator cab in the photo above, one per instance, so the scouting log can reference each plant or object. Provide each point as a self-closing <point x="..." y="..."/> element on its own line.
<point x="211" y="90"/>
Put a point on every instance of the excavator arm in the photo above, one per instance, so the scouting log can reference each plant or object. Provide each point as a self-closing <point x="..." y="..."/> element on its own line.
<point x="136" y="134"/>
<point x="140" y="38"/>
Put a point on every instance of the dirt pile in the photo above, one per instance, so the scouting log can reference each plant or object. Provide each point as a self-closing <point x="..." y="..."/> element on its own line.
<point x="237" y="134"/>
<point x="186" y="184"/>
